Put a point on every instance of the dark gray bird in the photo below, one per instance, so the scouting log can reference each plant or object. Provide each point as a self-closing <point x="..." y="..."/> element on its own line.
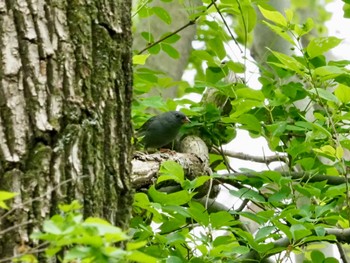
<point x="162" y="129"/>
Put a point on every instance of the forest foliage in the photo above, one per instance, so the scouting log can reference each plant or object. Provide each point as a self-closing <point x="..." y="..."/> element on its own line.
<point x="306" y="201"/>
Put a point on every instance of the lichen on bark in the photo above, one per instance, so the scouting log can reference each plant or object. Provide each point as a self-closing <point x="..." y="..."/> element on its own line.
<point x="65" y="122"/>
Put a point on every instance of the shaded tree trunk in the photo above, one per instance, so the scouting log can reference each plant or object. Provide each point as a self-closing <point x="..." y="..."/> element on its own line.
<point x="65" y="98"/>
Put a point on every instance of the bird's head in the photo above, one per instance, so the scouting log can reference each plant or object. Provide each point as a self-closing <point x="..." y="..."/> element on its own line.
<point x="180" y="117"/>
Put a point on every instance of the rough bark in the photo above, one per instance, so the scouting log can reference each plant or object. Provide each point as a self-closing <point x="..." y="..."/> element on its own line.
<point x="65" y="97"/>
<point x="193" y="156"/>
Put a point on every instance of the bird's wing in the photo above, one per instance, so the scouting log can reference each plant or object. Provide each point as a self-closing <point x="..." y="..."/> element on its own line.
<point x="145" y="126"/>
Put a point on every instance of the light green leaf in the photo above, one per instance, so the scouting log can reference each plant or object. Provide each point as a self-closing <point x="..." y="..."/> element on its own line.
<point x="321" y="45"/>
<point x="281" y="32"/>
<point x="139" y="59"/>
<point x="249" y="93"/>
<point x="289" y="14"/>
<point x="171" y="170"/>
<point x="135" y="245"/>
<point x="6" y="195"/>
<point x="342" y="92"/>
<point x="339" y="152"/>
<point x="274" y="16"/>
<point x="221" y="219"/>
<point x="173" y="259"/>
<point x="289" y="62"/>
<point x="141" y="257"/>
<point x="327" y="72"/>
<point x="199" y="213"/>
<point x="305" y="28"/>
<point x="50" y="227"/>
<point x="177" y="198"/>
<point x="236" y="67"/>
<point x="217" y="45"/>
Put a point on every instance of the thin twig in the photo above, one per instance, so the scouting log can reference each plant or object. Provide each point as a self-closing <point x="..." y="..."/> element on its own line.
<point x="191" y="22"/>
<point x="226" y="25"/>
<point x="14" y="227"/>
<point x="247" y="157"/>
<point x="38" y="198"/>
<point x="242" y="206"/>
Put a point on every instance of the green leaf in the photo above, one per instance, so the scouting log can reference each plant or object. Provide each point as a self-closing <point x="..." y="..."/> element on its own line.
<point x="173" y="259"/>
<point x="299" y="231"/>
<point x="249" y="93"/>
<point x="305" y="28"/>
<point x="51" y="228"/>
<point x="170" y="170"/>
<point x="321" y="45"/>
<point x="199" y="213"/>
<point x="325" y="94"/>
<point x="5" y="196"/>
<point x="285" y="229"/>
<point x="139" y="59"/>
<point x="250" y="194"/>
<point x="197" y="182"/>
<point x="236" y="66"/>
<point x="274" y="16"/>
<point x="281" y="32"/>
<point x="141" y="257"/>
<point x="221" y="219"/>
<point x="154" y="49"/>
<point x="317" y="256"/>
<point x="330" y="260"/>
<point x="264" y="233"/>
<point x="147" y="36"/>
<point x="162" y="14"/>
<point x="135" y="245"/>
<point x="217" y="45"/>
<point x="342" y="92"/>
<point x="249" y="122"/>
<point x="327" y="72"/>
<point x="177" y="198"/>
<point x="255" y="217"/>
<point x="289" y="62"/>
<point x="172" y="39"/>
<point x="171" y="51"/>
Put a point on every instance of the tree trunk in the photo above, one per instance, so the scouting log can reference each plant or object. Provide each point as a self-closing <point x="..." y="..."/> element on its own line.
<point x="65" y="98"/>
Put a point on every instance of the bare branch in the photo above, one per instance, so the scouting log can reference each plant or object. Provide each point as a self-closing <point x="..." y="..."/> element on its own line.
<point x="247" y="157"/>
<point x="302" y="176"/>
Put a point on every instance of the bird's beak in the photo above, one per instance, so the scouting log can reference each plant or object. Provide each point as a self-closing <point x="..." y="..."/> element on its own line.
<point x="186" y="120"/>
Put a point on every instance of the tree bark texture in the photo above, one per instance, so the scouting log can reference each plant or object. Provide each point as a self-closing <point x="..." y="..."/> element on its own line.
<point x="65" y="98"/>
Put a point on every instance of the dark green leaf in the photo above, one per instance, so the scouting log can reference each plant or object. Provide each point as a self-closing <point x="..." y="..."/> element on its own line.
<point x="317" y="256"/>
